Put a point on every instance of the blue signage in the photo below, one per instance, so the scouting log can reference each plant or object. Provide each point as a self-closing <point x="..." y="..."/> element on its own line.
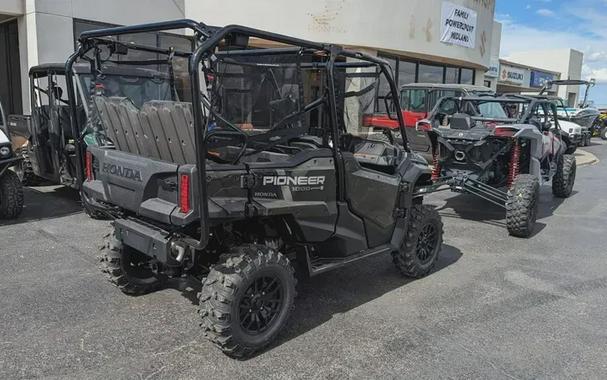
<point x="539" y="78"/>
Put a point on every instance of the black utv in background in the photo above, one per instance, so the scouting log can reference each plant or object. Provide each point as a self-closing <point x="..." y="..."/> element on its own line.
<point x="257" y="166"/>
<point x="45" y="139"/>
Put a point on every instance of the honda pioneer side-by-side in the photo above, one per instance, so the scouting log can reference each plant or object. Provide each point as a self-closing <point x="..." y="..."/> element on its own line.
<point x="11" y="191"/>
<point x="501" y="148"/>
<point x="260" y="163"/>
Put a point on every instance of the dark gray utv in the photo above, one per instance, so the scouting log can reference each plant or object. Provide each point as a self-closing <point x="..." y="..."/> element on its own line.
<point x="502" y="149"/>
<point x="256" y="168"/>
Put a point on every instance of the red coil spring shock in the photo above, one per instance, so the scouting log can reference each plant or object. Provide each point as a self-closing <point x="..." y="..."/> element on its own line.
<point x="513" y="168"/>
<point x="436" y="169"/>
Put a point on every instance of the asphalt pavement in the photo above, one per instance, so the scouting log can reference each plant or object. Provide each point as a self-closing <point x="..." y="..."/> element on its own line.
<point x="496" y="307"/>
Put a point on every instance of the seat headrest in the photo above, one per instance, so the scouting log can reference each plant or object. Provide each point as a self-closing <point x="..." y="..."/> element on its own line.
<point x="460" y="121"/>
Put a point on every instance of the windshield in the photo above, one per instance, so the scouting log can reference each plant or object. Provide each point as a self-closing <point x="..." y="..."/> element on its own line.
<point x="136" y="96"/>
<point x="140" y="87"/>
<point x="414" y="100"/>
<point x="483" y="109"/>
<point x="492" y="110"/>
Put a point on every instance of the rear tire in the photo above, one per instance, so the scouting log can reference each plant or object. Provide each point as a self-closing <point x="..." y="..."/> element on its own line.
<point x="422" y="243"/>
<point x="522" y="205"/>
<point x="127" y="268"/>
<point x="11" y="195"/>
<point x="25" y="170"/>
<point x="246" y="299"/>
<point x="564" y="178"/>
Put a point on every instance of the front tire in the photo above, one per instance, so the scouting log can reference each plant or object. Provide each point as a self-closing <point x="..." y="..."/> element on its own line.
<point x="11" y="195"/>
<point x="25" y="170"/>
<point x="246" y="299"/>
<point x="603" y="133"/>
<point x="127" y="268"/>
<point x="564" y="178"/>
<point x="522" y="205"/>
<point x="422" y="243"/>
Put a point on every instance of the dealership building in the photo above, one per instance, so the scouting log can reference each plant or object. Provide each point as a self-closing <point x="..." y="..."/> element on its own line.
<point x="425" y="41"/>
<point x="435" y="41"/>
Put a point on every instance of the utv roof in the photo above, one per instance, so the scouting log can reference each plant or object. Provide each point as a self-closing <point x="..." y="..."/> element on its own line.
<point x="455" y="86"/>
<point x="509" y="98"/>
<point x="43" y="69"/>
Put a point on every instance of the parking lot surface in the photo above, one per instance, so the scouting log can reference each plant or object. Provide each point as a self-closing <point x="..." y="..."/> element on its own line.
<point x="495" y="307"/>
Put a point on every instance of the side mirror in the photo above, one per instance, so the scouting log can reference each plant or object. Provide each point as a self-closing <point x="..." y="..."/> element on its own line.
<point x="423" y="125"/>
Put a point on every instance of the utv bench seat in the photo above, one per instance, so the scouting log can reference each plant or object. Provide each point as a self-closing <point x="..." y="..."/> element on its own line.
<point x="162" y="130"/>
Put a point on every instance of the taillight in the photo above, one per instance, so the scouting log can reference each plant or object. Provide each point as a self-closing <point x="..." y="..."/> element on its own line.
<point x="89" y="166"/>
<point x="503" y="132"/>
<point x="184" y="193"/>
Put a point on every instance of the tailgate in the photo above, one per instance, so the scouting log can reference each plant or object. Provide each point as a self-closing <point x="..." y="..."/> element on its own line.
<point x="143" y="185"/>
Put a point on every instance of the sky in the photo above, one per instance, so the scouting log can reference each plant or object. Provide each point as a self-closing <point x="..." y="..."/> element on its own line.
<point x="550" y="24"/>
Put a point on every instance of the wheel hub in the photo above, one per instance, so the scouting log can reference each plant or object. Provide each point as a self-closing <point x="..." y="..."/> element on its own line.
<point x="261" y="304"/>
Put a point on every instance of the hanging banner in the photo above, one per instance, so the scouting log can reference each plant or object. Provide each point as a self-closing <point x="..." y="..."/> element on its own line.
<point x="458" y="25"/>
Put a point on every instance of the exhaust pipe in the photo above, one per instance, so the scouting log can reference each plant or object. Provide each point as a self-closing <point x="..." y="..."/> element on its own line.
<point x="459" y="155"/>
<point x="180" y="251"/>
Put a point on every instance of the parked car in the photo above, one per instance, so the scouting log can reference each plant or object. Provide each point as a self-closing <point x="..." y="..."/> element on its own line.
<point x="416" y="101"/>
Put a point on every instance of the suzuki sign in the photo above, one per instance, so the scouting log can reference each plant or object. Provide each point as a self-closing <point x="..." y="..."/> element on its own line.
<point x="512" y="75"/>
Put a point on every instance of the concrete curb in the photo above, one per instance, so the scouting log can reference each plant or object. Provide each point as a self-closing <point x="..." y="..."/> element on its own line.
<point x="584" y="158"/>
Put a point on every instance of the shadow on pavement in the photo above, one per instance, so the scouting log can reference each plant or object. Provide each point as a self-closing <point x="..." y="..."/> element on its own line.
<point x="470" y="207"/>
<point x="51" y="203"/>
<point x="322" y="297"/>
<point x="336" y="292"/>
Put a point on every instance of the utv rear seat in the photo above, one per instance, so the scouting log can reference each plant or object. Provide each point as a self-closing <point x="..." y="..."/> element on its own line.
<point x="162" y="130"/>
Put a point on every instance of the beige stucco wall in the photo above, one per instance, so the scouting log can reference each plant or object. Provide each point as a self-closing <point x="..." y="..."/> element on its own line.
<point x="409" y="27"/>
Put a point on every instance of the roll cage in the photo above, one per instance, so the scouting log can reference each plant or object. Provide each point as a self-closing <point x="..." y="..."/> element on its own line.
<point x="507" y="99"/>
<point x="570" y="82"/>
<point x="206" y="41"/>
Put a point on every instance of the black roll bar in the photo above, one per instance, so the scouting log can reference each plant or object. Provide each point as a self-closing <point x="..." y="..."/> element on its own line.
<point x="197" y="27"/>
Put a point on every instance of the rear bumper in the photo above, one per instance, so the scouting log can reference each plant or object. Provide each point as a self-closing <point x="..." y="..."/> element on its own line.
<point x="147" y="239"/>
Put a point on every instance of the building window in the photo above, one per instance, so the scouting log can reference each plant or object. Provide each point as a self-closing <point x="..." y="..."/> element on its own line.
<point x="452" y="75"/>
<point x="467" y="76"/>
<point x="412" y="71"/>
<point x="430" y="74"/>
<point x="487" y="83"/>
<point x="406" y="72"/>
